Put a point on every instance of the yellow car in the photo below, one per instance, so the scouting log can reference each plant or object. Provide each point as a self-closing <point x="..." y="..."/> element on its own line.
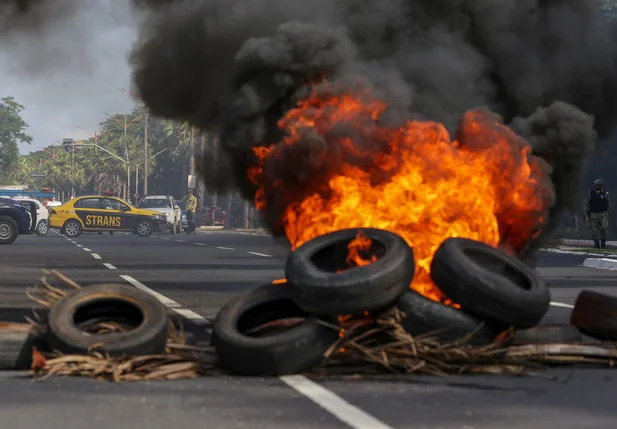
<point x="99" y="213"/>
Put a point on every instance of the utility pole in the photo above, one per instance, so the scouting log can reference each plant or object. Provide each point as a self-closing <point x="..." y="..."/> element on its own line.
<point x="146" y="153"/>
<point x="127" y="188"/>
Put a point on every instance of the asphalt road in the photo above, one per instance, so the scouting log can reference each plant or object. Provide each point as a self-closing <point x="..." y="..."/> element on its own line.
<point x="203" y="271"/>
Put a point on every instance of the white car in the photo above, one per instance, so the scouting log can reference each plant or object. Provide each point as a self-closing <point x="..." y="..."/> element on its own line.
<point x="42" y="215"/>
<point x="166" y="205"/>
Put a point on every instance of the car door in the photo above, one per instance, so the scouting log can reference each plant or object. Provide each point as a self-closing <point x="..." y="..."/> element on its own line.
<point x="89" y="211"/>
<point x="177" y="211"/>
<point x="127" y="219"/>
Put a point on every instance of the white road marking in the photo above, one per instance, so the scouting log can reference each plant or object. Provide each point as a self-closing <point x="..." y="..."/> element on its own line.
<point x="191" y="315"/>
<point x="87" y="250"/>
<point x="79" y="245"/>
<point x="166" y="301"/>
<point x="334" y="404"/>
<point x="200" y="244"/>
<point x="225" y="248"/>
<point x="561" y="304"/>
<point x="259" y="254"/>
<point x="96" y="256"/>
<point x="165" y="238"/>
<point x="180" y="241"/>
<point x="111" y="267"/>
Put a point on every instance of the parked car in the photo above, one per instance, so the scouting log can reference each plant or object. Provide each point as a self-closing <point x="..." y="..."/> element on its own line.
<point x="208" y="213"/>
<point x="16" y="217"/>
<point x="42" y="214"/>
<point x="167" y="206"/>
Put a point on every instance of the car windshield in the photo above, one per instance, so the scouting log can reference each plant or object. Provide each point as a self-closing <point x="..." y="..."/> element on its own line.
<point x="155" y="203"/>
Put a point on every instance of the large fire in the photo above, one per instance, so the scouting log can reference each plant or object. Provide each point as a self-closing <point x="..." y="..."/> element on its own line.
<point x="412" y="179"/>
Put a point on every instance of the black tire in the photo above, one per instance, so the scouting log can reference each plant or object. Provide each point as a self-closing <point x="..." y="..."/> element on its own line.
<point x="42" y="228"/>
<point x="595" y="314"/>
<point x="72" y="228"/>
<point x="111" y="302"/>
<point x="16" y="343"/>
<point x="9" y="230"/>
<point x="544" y="334"/>
<point x="424" y="316"/>
<point x="144" y="228"/>
<point x="318" y="289"/>
<point x="294" y="350"/>
<point x="490" y="284"/>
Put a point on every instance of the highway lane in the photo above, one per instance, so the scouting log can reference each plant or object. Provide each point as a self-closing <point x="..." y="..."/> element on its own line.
<point x="201" y="272"/>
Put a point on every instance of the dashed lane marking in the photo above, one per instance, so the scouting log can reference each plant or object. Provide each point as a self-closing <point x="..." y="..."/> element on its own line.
<point x="165" y="238"/>
<point x="334" y="404"/>
<point x="200" y="244"/>
<point x="86" y="249"/>
<point x="191" y="315"/>
<point x="259" y="254"/>
<point x="111" y="267"/>
<point x="225" y="248"/>
<point x="561" y="304"/>
<point x="79" y="245"/>
<point x="180" y="241"/>
<point x="96" y="256"/>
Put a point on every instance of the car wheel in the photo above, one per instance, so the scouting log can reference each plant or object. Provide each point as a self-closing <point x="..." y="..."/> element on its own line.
<point x="143" y="316"/>
<point x="72" y="228"/>
<point x="262" y="332"/>
<point x="324" y="284"/>
<point x="42" y="228"/>
<point x="145" y="228"/>
<point x="9" y="230"/>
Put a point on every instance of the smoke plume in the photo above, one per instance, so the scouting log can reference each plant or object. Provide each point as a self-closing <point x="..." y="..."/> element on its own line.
<point x="546" y="66"/>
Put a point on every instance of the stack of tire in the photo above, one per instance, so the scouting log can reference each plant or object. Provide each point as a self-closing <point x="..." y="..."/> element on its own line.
<point x="494" y="290"/>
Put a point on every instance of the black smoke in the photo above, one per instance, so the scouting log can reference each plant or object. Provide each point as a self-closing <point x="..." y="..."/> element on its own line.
<point x="547" y="67"/>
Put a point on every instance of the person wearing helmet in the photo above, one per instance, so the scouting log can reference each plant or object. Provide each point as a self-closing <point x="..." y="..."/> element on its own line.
<point x="597" y="212"/>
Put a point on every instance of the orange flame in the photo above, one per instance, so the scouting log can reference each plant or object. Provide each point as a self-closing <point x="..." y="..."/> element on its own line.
<point x="413" y="180"/>
<point x="359" y="244"/>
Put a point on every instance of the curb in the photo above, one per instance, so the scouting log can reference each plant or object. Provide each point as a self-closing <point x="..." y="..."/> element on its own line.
<point x="601" y="263"/>
<point x="211" y="230"/>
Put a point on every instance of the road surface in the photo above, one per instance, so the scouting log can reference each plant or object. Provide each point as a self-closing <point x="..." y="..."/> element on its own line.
<point x="203" y="271"/>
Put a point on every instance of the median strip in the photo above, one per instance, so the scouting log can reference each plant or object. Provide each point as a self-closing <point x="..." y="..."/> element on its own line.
<point x="601" y="263"/>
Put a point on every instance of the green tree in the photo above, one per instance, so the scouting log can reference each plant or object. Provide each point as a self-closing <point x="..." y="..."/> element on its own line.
<point x="12" y="132"/>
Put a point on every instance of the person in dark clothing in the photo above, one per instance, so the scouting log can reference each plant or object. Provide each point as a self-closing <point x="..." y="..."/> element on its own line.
<point x="597" y="208"/>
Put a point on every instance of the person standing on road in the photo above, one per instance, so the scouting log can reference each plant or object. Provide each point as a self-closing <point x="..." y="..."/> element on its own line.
<point x="191" y="206"/>
<point x="597" y="212"/>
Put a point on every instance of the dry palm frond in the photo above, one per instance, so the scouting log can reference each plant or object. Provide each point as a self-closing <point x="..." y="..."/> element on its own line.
<point x="384" y="346"/>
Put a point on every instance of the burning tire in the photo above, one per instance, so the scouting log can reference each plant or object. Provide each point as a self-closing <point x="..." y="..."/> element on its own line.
<point x="489" y="284"/>
<point x="423" y="316"/>
<point x="323" y="283"/>
<point x="595" y="314"/>
<point x="142" y="316"/>
<point x="240" y="348"/>
<point x="545" y="334"/>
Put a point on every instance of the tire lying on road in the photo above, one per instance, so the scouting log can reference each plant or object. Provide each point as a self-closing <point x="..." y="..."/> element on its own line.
<point x="595" y="314"/>
<point x="490" y="284"/>
<point x="16" y="343"/>
<point x="71" y="317"/>
<point x="322" y="284"/>
<point x="544" y="334"/>
<point x="243" y="349"/>
<point x="424" y="316"/>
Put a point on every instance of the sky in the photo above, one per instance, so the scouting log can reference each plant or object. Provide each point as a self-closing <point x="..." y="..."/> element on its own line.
<point x="69" y="73"/>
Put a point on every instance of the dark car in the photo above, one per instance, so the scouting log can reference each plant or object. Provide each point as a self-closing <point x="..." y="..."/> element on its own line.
<point x="16" y="217"/>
